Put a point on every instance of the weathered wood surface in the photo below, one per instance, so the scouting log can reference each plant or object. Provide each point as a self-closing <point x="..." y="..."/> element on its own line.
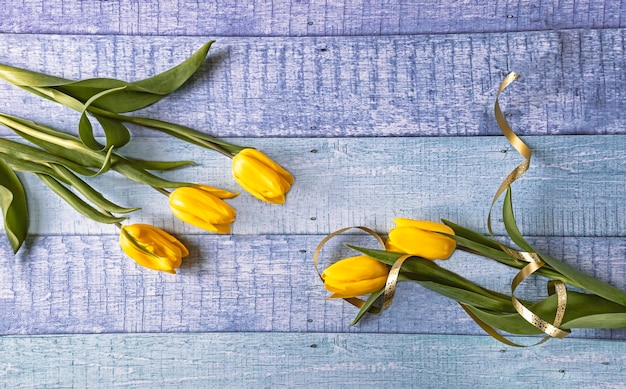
<point x="425" y="85"/>
<point x="575" y="186"/>
<point x="297" y="18"/>
<point x="380" y="109"/>
<point x="305" y="360"/>
<point x="251" y="283"/>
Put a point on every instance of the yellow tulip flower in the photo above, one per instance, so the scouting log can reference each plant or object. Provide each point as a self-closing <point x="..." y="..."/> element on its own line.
<point x="152" y="247"/>
<point x="203" y="206"/>
<point x="421" y="238"/>
<point x="355" y="276"/>
<point x="261" y="177"/>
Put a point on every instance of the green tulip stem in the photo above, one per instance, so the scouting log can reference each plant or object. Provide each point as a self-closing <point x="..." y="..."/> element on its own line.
<point x="176" y="130"/>
<point x="118" y="224"/>
<point x="162" y="191"/>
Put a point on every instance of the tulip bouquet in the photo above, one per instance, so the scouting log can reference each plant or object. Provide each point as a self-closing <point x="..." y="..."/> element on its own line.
<point x="58" y="159"/>
<point x="413" y="246"/>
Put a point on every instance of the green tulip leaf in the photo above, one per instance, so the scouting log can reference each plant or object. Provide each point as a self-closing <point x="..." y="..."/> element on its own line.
<point x="29" y="127"/>
<point x="495" y="303"/>
<point x="574" y="277"/>
<point x="76" y="202"/>
<point x="368" y="306"/>
<point x="14" y="206"/>
<point x="511" y="226"/>
<point x="133" y="96"/>
<point x="63" y="146"/>
<point x="511" y="323"/>
<point x="25" y="165"/>
<point x="587" y="282"/>
<point x="505" y="259"/>
<point x="579" y="313"/>
<point x="602" y="320"/>
<point x="85" y="131"/>
<point x="158" y="165"/>
<point x="185" y="133"/>
<point x="139" y="94"/>
<point x="109" y="97"/>
<point x="106" y="163"/>
<point x="29" y="153"/>
<point x="70" y="147"/>
<point x="132" y="172"/>
<point x="57" y="96"/>
<point x="95" y="197"/>
<point x="473" y="236"/>
<point x="64" y="175"/>
<point x="23" y="77"/>
<point x="55" y="142"/>
<point x="485" y="251"/>
<point x="170" y="80"/>
<point x="115" y="132"/>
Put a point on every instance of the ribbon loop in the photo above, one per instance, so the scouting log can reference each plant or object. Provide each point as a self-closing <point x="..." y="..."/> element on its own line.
<point x="534" y="260"/>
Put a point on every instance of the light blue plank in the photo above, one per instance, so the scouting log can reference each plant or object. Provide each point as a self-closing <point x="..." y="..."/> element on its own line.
<point x="296" y="18"/>
<point x="436" y="85"/>
<point x="575" y="186"/>
<point x="85" y="284"/>
<point x="305" y="360"/>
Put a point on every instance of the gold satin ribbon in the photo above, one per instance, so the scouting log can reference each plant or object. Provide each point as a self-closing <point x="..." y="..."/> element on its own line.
<point x="534" y="261"/>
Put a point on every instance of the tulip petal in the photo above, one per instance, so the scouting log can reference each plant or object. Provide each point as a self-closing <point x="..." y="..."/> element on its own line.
<point x="422" y="243"/>
<point x="221" y="193"/>
<point x="424" y="225"/>
<point x="264" y="159"/>
<point x="194" y="220"/>
<point x="355" y="268"/>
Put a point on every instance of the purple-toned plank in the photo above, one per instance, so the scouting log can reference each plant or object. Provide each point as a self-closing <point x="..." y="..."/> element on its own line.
<point x="573" y="82"/>
<point x="85" y="284"/>
<point x="304" y="18"/>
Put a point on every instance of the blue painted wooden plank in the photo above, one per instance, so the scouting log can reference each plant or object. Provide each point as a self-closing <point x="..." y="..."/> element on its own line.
<point x="575" y="186"/>
<point x="424" y="85"/>
<point x="298" y="18"/>
<point x="305" y="360"/>
<point x="258" y="283"/>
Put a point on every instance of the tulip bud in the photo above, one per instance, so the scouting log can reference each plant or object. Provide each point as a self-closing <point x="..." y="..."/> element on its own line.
<point x="261" y="177"/>
<point x="355" y="276"/>
<point x="203" y="206"/>
<point x="152" y="247"/>
<point x="421" y="238"/>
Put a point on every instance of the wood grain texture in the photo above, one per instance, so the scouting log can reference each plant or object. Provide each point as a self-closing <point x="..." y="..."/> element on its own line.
<point x="305" y="360"/>
<point x="381" y="109"/>
<point x="299" y="18"/>
<point x="575" y="186"/>
<point x="85" y="284"/>
<point x="426" y="85"/>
